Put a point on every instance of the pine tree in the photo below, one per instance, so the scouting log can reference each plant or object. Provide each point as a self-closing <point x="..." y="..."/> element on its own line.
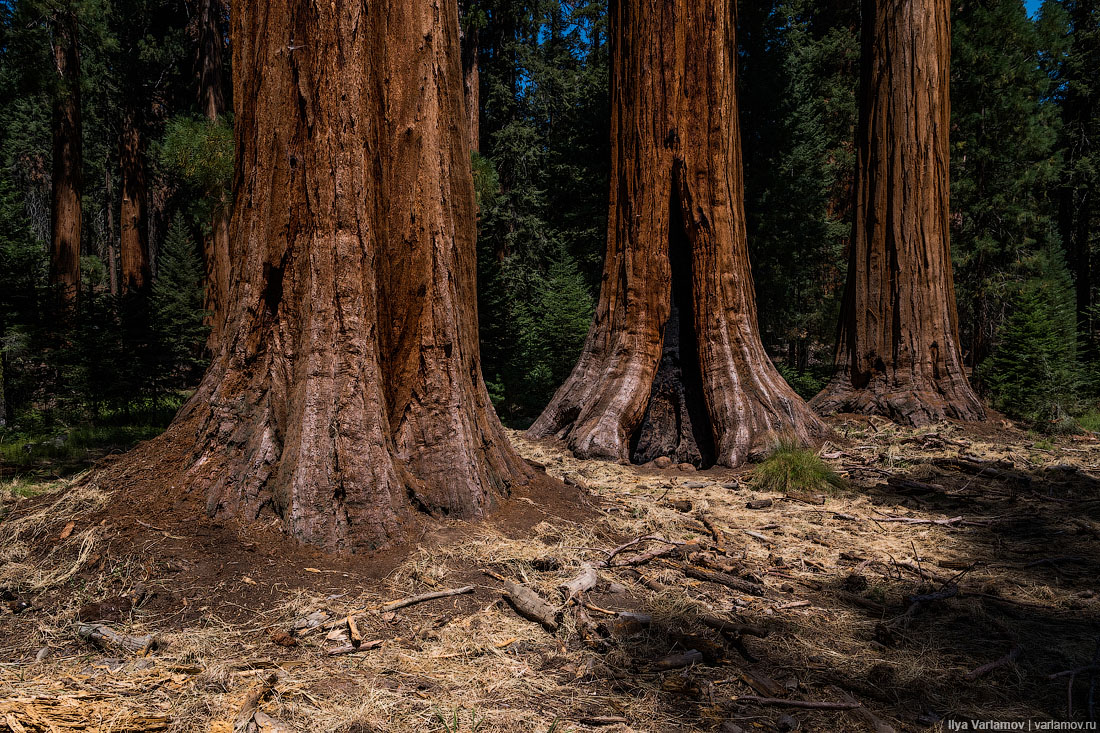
<point x="177" y="310"/>
<point x="1003" y="161"/>
<point x="1033" y="372"/>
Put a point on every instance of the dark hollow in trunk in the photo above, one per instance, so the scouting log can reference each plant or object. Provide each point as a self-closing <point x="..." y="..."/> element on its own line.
<point x="676" y="423"/>
<point x="673" y="364"/>
<point x="346" y="393"/>
<point x="898" y="351"/>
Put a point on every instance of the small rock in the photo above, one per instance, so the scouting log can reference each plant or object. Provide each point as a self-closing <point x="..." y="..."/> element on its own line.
<point x="682" y="505"/>
<point x="786" y="723"/>
<point x="731" y="486"/>
<point x="686" y="467"/>
<point x="694" y="485"/>
<point x="616" y="589"/>
<point x="730" y="727"/>
<point x="42" y="654"/>
<point x="662" y="462"/>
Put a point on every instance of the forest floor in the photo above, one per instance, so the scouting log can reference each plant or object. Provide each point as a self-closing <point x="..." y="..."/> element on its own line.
<point x="948" y="581"/>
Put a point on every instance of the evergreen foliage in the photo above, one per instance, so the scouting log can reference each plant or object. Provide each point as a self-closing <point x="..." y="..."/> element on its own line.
<point x="177" y="310"/>
<point x="1033" y="371"/>
<point x="1025" y="200"/>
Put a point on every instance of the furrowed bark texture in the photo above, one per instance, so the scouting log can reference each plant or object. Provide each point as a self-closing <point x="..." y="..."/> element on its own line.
<point x="471" y="77"/>
<point x="898" y="349"/>
<point x="347" y="390"/>
<point x="67" y="158"/>
<point x="673" y="364"/>
<point x="212" y="100"/>
<point x="133" y="222"/>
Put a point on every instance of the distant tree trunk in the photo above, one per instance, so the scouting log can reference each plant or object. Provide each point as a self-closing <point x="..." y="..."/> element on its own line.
<point x="673" y="364"/>
<point x="134" y="219"/>
<point x="67" y="158"/>
<point x="212" y="101"/>
<point x="211" y="93"/>
<point x="471" y="80"/>
<point x="112" y="249"/>
<point x="898" y="349"/>
<point x="347" y="391"/>
<point x="3" y="395"/>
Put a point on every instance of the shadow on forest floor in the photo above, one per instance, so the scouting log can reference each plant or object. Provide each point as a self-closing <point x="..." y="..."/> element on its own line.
<point x="949" y="581"/>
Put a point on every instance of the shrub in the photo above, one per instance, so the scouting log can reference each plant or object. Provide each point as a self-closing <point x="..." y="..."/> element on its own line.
<point x="791" y="467"/>
<point x="1032" y="373"/>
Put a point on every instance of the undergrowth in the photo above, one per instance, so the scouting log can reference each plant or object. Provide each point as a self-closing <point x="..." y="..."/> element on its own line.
<point x="791" y="467"/>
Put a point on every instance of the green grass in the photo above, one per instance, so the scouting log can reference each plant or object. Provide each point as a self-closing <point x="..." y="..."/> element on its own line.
<point x="25" y="457"/>
<point x="1090" y="421"/>
<point x="791" y="467"/>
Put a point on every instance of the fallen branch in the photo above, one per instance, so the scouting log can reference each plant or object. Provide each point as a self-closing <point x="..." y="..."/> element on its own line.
<point x="352" y="648"/>
<point x="394" y="605"/>
<point x="252" y="702"/>
<point x="530" y="605"/>
<point x="1014" y="650"/>
<point x="878" y="725"/>
<point x="984" y="469"/>
<point x="985" y="669"/>
<point x="916" y="520"/>
<point x="603" y="720"/>
<point x="586" y="580"/>
<point x="757" y="536"/>
<point x="803" y="704"/>
<point x="719" y="539"/>
<point x="104" y="636"/>
<point x="725" y="579"/>
<point x="1091" y="668"/>
<point x="676" y="661"/>
<point x="385" y="607"/>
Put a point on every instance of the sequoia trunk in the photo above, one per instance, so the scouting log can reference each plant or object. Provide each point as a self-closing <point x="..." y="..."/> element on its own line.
<point x="471" y="78"/>
<point x="347" y="389"/>
<point x="212" y="101"/>
<point x="673" y="364"/>
<point x="898" y="349"/>
<point x="68" y="159"/>
<point x="133" y="221"/>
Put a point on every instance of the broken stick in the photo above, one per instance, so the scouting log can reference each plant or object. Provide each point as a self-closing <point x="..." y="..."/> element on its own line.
<point x="102" y="635"/>
<point x="804" y="704"/>
<point x="530" y="605"/>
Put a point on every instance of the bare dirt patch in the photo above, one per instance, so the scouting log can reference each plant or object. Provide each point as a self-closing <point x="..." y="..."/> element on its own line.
<point x="953" y="576"/>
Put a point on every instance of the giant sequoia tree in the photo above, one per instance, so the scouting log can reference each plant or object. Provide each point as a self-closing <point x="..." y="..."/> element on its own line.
<point x="898" y="348"/>
<point x="673" y="364"/>
<point x="347" y="389"/>
<point x="68" y="158"/>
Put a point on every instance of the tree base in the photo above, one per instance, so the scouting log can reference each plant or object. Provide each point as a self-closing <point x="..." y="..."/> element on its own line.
<point x="905" y="404"/>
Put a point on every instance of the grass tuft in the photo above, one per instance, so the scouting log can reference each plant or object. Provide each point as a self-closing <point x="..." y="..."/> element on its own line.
<point x="791" y="467"/>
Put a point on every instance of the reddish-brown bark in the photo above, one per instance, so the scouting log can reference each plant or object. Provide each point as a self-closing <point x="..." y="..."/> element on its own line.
<point x="212" y="102"/>
<point x="347" y="390"/>
<point x="65" y="212"/>
<point x="898" y="349"/>
<point x="470" y="43"/>
<point x="133" y="220"/>
<point x="211" y="94"/>
<point x="673" y="364"/>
